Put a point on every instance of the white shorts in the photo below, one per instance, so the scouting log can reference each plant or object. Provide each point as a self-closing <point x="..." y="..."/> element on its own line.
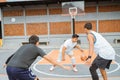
<point x="60" y="55"/>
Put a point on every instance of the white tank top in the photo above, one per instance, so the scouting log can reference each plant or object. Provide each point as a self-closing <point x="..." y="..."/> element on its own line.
<point x="102" y="47"/>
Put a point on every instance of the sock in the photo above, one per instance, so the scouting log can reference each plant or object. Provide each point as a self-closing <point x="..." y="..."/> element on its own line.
<point x="73" y="61"/>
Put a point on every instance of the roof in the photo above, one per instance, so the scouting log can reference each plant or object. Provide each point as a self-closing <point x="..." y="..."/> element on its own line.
<point x="42" y="2"/>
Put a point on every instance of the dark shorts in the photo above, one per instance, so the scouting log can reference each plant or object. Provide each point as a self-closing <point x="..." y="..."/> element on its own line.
<point x="102" y="63"/>
<point x="19" y="74"/>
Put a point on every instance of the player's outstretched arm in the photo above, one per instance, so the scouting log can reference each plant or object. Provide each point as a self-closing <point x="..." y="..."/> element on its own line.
<point x="91" y="47"/>
<point x="54" y="62"/>
<point x="78" y="47"/>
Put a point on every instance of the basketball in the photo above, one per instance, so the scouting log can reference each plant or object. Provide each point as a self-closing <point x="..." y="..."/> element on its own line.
<point x="83" y="57"/>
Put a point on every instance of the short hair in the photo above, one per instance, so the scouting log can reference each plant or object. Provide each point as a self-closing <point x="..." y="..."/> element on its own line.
<point x="88" y="26"/>
<point x="75" y="36"/>
<point x="33" y="39"/>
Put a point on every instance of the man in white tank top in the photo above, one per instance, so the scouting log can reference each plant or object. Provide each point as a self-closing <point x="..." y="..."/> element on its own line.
<point x="66" y="48"/>
<point x="105" y="52"/>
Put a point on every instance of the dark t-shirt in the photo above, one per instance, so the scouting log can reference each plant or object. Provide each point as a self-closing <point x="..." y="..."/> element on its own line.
<point x="25" y="56"/>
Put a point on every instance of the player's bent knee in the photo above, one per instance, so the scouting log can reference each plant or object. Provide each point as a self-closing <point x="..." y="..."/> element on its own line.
<point x="72" y="57"/>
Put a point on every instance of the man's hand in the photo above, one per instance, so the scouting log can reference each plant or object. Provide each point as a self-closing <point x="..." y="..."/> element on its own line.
<point x="88" y="62"/>
<point x="82" y="50"/>
<point x="4" y="65"/>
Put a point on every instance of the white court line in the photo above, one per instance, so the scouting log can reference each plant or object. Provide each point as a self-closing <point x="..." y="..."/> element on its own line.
<point x="117" y="55"/>
<point x="71" y="76"/>
<point x="57" y="75"/>
<point x="115" y="69"/>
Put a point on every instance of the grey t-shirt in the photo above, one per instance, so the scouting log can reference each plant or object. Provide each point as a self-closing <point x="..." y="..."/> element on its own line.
<point x="25" y="56"/>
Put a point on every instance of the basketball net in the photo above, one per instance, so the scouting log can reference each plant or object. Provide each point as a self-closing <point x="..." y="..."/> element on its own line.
<point x="73" y="12"/>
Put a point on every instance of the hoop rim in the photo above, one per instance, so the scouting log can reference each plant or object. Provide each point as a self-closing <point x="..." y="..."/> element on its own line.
<point x="73" y="11"/>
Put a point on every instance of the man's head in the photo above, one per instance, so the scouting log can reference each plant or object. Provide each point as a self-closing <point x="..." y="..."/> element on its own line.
<point x="87" y="26"/>
<point x="34" y="39"/>
<point x="75" y="37"/>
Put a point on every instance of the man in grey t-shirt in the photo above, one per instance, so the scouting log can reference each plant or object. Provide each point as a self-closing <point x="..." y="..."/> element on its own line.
<point x="18" y="65"/>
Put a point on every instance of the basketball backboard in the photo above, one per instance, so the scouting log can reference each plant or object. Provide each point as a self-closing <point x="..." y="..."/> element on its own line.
<point x="74" y="6"/>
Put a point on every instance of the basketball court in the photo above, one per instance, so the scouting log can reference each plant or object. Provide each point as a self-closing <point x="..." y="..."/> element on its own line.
<point x="41" y="68"/>
<point x="54" y="21"/>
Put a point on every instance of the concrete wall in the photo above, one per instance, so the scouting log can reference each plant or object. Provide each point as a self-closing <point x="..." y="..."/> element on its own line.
<point x="57" y="39"/>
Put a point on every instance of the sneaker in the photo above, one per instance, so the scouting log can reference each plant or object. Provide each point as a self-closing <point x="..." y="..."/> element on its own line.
<point x="58" y="60"/>
<point x="75" y="69"/>
<point x="52" y="68"/>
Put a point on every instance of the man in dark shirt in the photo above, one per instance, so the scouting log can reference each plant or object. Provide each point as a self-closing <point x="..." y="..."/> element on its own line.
<point x="19" y="63"/>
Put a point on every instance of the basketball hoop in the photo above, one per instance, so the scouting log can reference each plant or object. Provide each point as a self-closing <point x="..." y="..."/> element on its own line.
<point x="73" y="11"/>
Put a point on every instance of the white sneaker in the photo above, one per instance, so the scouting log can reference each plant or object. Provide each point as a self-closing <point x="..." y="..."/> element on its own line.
<point x="58" y="60"/>
<point x="75" y="69"/>
<point x="52" y="68"/>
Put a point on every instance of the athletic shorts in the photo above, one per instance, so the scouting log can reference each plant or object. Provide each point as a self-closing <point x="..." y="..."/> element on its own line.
<point x="60" y="55"/>
<point x="101" y="63"/>
<point x="19" y="73"/>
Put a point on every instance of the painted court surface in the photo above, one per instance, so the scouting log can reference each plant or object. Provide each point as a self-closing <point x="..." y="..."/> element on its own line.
<point x="77" y="54"/>
<point x="41" y="67"/>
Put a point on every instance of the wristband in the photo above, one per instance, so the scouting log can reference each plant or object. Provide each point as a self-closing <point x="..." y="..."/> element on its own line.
<point x="89" y="57"/>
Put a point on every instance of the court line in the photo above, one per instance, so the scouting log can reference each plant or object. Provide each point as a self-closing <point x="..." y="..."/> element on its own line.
<point x="116" y="63"/>
<point x="115" y="69"/>
<point x="75" y="76"/>
<point x="118" y="55"/>
<point x="56" y="75"/>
